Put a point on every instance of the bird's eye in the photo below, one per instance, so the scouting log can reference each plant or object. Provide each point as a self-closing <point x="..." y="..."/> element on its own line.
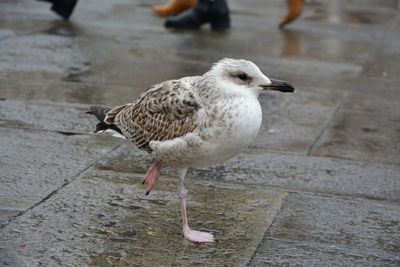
<point x="243" y="76"/>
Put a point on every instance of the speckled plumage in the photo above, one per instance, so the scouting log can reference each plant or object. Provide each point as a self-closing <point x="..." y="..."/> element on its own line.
<point x="163" y="112"/>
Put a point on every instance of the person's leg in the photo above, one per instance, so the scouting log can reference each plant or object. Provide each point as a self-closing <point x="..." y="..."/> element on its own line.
<point x="215" y="12"/>
<point x="295" y="7"/>
<point x="63" y="8"/>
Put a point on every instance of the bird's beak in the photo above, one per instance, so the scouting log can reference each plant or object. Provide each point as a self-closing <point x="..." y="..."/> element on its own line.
<point x="277" y="85"/>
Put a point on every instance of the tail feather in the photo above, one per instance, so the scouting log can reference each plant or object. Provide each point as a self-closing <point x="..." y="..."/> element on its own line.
<point x="99" y="112"/>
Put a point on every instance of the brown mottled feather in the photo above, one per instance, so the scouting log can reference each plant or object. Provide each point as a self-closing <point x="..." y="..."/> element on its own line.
<point x="163" y="112"/>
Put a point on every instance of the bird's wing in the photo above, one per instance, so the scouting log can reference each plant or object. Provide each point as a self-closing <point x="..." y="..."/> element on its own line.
<point x="163" y="112"/>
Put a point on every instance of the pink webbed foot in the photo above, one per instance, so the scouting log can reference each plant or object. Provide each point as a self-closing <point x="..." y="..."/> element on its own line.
<point x="197" y="236"/>
<point x="151" y="176"/>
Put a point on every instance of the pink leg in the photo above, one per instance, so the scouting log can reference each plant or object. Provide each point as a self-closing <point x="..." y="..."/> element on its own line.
<point x="152" y="175"/>
<point x="191" y="235"/>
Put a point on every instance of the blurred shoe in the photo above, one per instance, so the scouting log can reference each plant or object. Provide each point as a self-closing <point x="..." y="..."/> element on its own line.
<point x="63" y="8"/>
<point x="215" y="12"/>
<point x="174" y="7"/>
<point x="295" y="7"/>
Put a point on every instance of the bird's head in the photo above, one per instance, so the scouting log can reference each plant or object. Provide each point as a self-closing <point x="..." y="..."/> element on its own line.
<point x="243" y="77"/>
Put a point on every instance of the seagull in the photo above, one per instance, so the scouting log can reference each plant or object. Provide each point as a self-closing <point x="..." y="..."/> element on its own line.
<point x="194" y="121"/>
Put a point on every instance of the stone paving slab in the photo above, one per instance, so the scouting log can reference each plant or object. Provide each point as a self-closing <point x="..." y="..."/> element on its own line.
<point x="104" y="218"/>
<point x="384" y="102"/>
<point x="364" y="137"/>
<point x="36" y="163"/>
<point x="339" y="221"/>
<point x="26" y="86"/>
<point x="287" y="171"/>
<point x="358" y="230"/>
<point x="46" y="115"/>
<point x="46" y="53"/>
<point x="275" y="252"/>
<point x="292" y="122"/>
<point x="383" y="63"/>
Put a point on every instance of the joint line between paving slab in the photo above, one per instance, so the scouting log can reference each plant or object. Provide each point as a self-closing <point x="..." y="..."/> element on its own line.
<point x="59" y="188"/>
<point x="318" y="193"/>
<point x="265" y="236"/>
<point x="326" y="126"/>
<point x="64" y="132"/>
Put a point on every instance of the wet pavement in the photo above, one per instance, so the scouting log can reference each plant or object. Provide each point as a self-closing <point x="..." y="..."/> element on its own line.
<point x="320" y="186"/>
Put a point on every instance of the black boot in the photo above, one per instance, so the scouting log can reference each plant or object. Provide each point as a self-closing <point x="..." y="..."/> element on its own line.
<point x="63" y="8"/>
<point x="215" y="12"/>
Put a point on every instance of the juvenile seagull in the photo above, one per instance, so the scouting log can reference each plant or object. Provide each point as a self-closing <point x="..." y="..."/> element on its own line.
<point x="194" y="121"/>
